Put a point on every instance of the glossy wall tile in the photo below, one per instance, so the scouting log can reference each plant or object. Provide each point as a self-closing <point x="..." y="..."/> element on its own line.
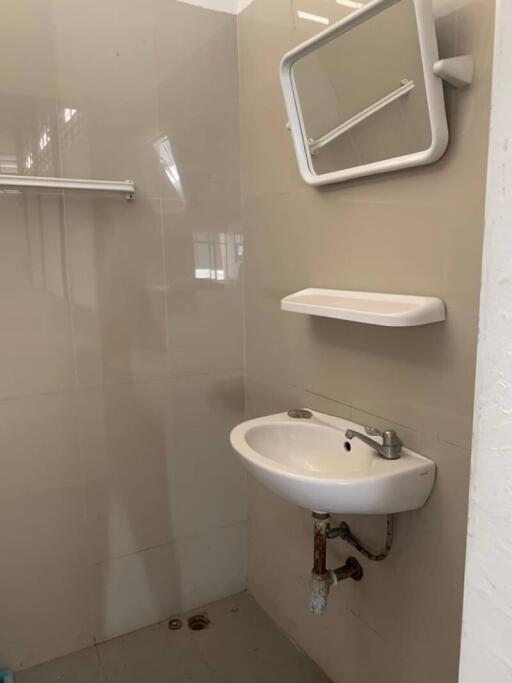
<point x="121" y="333"/>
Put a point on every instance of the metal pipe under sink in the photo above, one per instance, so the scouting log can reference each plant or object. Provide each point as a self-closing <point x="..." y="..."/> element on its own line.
<point x="322" y="578"/>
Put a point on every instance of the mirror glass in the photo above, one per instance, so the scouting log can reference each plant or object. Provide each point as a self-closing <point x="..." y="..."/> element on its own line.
<point x="361" y="97"/>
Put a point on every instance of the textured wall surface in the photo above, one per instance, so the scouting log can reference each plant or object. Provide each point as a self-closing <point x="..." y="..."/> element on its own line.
<point x="121" y="345"/>
<point x="417" y="232"/>
<point x="487" y="625"/>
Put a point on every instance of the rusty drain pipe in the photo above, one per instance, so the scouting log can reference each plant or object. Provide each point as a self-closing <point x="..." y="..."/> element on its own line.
<point x="322" y="578"/>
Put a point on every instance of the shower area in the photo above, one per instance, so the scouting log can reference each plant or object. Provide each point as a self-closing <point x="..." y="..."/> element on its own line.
<point x="121" y="348"/>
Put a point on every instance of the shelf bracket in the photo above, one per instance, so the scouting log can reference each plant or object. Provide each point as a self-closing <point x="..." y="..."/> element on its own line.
<point x="457" y="71"/>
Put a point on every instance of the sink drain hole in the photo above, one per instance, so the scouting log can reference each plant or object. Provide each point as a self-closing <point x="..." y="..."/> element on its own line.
<point x="198" y="622"/>
<point x="347" y="446"/>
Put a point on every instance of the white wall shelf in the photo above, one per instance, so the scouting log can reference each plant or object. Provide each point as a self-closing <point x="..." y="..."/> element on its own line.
<point x="389" y="310"/>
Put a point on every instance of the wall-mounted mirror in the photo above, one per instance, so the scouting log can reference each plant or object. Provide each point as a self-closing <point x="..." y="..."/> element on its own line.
<point x="362" y="96"/>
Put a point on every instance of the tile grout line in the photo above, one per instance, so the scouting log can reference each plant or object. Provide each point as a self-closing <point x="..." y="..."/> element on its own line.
<point x="124" y="383"/>
<point x="100" y="662"/>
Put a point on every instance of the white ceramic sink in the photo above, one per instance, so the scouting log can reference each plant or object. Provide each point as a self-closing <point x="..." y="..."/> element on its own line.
<point x="309" y="462"/>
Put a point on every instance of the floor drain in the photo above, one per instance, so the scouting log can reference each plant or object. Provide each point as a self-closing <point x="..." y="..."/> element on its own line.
<point x="175" y="624"/>
<point x="198" y="622"/>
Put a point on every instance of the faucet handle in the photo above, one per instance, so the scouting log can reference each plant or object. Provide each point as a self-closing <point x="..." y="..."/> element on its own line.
<point x="373" y="431"/>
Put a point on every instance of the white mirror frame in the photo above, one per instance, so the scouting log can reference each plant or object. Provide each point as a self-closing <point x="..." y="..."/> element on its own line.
<point x="433" y="85"/>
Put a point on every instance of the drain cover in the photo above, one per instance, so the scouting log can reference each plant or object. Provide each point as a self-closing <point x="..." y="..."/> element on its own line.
<point x="198" y="622"/>
<point x="175" y="624"/>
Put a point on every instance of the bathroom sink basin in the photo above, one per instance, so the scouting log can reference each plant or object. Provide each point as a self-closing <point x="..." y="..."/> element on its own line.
<point x="309" y="462"/>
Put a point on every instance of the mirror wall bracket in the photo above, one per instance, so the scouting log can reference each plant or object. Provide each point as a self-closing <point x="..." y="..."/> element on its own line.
<point x="457" y="71"/>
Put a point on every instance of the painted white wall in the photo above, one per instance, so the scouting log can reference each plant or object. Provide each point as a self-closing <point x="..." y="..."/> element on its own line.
<point x="487" y="627"/>
<point x="231" y="6"/>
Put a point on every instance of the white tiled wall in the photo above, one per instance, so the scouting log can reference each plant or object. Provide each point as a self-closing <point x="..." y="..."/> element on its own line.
<point x="120" y="323"/>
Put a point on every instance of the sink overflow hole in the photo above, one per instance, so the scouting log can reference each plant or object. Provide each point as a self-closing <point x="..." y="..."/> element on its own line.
<point x="347" y="446"/>
<point x="198" y="622"/>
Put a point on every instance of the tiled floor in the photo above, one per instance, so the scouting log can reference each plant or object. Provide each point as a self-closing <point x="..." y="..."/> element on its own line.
<point x="242" y="645"/>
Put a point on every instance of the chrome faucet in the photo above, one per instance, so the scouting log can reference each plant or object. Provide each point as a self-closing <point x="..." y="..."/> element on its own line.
<point x="391" y="445"/>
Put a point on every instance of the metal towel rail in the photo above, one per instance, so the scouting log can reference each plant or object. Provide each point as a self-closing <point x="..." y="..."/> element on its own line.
<point x="127" y="187"/>
<point x="316" y="145"/>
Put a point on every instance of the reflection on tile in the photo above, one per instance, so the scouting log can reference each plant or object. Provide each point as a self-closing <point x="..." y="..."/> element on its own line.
<point x="163" y="148"/>
<point x="35" y="340"/>
<point x="204" y="253"/>
<point x="29" y="138"/>
<point x="217" y="256"/>
<point x="199" y="113"/>
<point x="312" y="16"/>
<point x="113" y="90"/>
<point x="118" y="288"/>
<point x="269" y="12"/>
<point x="204" y="241"/>
<point x="114" y="140"/>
